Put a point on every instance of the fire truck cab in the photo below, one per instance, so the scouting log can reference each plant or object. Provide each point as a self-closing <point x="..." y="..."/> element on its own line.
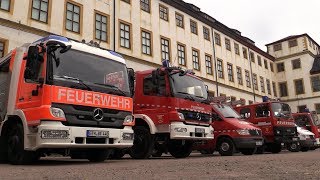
<point x="172" y="111"/>
<point x="59" y="96"/>
<point x="232" y="134"/>
<point x="275" y="120"/>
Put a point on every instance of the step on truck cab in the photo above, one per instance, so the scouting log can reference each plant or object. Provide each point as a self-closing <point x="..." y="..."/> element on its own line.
<point x="275" y="120"/>
<point x="62" y="96"/>
<point x="172" y="112"/>
<point x="311" y="122"/>
<point x="232" y="134"/>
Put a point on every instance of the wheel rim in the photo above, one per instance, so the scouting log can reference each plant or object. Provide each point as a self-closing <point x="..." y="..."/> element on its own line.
<point x="14" y="143"/>
<point x="225" y="146"/>
<point x="293" y="146"/>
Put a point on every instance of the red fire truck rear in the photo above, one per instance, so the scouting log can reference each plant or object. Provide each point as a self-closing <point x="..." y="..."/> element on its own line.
<point x="171" y="110"/>
<point x="231" y="133"/>
<point x="275" y="120"/>
<point x="60" y="96"/>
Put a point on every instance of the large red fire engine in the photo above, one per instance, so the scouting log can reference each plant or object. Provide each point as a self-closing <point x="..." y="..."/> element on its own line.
<point x="59" y="96"/>
<point x="275" y="120"/>
<point x="171" y="110"/>
<point x="231" y="133"/>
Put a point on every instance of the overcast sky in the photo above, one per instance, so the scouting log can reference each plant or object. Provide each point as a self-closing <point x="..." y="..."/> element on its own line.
<point x="266" y="21"/>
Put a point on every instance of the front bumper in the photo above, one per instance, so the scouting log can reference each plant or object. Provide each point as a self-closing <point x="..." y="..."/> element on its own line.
<point x="179" y="130"/>
<point x="286" y="139"/>
<point x="248" y="142"/>
<point x="77" y="137"/>
<point x="308" y="143"/>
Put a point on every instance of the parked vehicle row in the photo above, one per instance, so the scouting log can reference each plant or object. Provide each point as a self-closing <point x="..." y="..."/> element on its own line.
<point x="61" y="96"/>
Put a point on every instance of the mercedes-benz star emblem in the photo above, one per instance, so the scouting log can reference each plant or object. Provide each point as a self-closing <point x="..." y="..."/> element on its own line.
<point x="98" y="114"/>
<point x="198" y="116"/>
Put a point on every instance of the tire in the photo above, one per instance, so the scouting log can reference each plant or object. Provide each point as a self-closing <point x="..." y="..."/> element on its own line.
<point x="276" y="148"/>
<point x="97" y="155"/>
<point x="293" y="147"/>
<point x="157" y="153"/>
<point x="180" y="148"/>
<point x="143" y="143"/>
<point x="207" y="151"/>
<point x="16" y="153"/>
<point x="304" y="149"/>
<point x="261" y="149"/>
<point x="226" y="147"/>
<point x="313" y="148"/>
<point x="117" y="154"/>
<point x="248" y="151"/>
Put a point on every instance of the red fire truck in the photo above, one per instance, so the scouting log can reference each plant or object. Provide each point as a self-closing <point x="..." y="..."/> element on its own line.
<point x="231" y="133"/>
<point x="311" y="122"/>
<point x="275" y="120"/>
<point x="172" y="111"/>
<point x="55" y="97"/>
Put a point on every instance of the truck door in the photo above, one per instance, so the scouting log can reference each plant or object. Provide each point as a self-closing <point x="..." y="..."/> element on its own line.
<point x="263" y="118"/>
<point x="5" y="77"/>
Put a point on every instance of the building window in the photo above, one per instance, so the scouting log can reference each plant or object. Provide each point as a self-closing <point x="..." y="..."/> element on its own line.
<point x="262" y="84"/>
<point x="220" y="68"/>
<point x="125" y="36"/>
<point x="73" y="18"/>
<point x="317" y="108"/>
<point x="127" y="1"/>
<point x="236" y="48"/>
<point x="268" y="86"/>
<point x="239" y="75"/>
<point x="165" y="53"/>
<point x="259" y="60"/>
<point x="2" y="47"/>
<point x="145" y="5"/>
<point x="271" y="67"/>
<point x="265" y="64"/>
<point x="280" y="67"/>
<point x="296" y="64"/>
<point x="206" y="33"/>
<point x="302" y="108"/>
<point x="298" y="84"/>
<point x="40" y="10"/>
<point x="101" y="27"/>
<point x="181" y="55"/>
<point x="274" y="89"/>
<point x="5" y="5"/>
<point x="315" y="82"/>
<point x="217" y="38"/>
<point x="283" y="89"/>
<point x="248" y="82"/>
<point x="208" y="64"/>
<point x="146" y="42"/>
<point x="255" y="81"/>
<point x="179" y="20"/>
<point x="277" y="47"/>
<point x="293" y="43"/>
<point x="163" y="13"/>
<point x="252" y="57"/>
<point x="230" y="72"/>
<point x="245" y="53"/>
<point x="193" y="27"/>
<point x="195" y="59"/>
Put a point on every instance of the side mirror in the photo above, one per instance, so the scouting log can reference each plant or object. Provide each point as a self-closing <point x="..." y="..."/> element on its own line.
<point x="33" y="53"/>
<point x="131" y="80"/>
<point x="155" y="77"/>
<point x="34" y="61"/>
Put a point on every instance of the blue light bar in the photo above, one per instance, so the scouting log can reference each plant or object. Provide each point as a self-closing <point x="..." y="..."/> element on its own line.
<point x="165" y="63"/>
<point x="52" y="37"/>
<point x="265" y="98"/>
<point x="115" y="54"/>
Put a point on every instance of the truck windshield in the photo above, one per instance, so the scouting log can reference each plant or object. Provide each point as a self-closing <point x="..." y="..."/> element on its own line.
<point x="315" y="119"/>
<point x="281" y="110"/>
<point x="226" y="111"/>
<point x="188" y="85"/>
<point x="90" y="69"/>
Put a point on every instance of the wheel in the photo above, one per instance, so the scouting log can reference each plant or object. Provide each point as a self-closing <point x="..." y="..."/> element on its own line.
<point x="313" y="148"/>
<point x="143" y="143"/>
<point x="206" y="151"/>
<point x="293" y="147"/>
<point x="157" y="153"/>
<point x="180" y="148"/>
<point x="97" y="155"/>
<point x="304" y="149"/>
<point x="261" y="149"/>
<point x="248" y="151"/>
<point x="226" y="147"/>
<point x="276" y="148"/>
<point x="16" y="153"/>
<point x="117" y="154"/>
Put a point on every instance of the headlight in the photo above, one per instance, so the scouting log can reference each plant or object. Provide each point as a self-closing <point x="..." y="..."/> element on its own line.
<point x="54" y="134"/>
<point x="128" y="119"/>
<point x="179" y="129"/>
<point x="57" y="112"/>
<point x="278" y="132"/>
<point x="181" y="116"/>
<point x="243" y="132"/>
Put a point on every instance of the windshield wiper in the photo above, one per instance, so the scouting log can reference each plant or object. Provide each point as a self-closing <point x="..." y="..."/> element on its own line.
<point x="75" y="79"/>
<point x="112" y="86"/>
<point x="188" y="96"/>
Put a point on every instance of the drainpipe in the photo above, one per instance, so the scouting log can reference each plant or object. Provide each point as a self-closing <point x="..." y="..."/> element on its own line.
<point x="114" y="25"/>
<point x="215" y="62"/>
<point x="252" y="82"/>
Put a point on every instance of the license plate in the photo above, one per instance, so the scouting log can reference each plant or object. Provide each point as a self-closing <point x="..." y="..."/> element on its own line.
<point x="200" y="130"/>
<point x="259" y="143"/>
<point x="97" y="133"/>
<point x="295" y="139"/>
